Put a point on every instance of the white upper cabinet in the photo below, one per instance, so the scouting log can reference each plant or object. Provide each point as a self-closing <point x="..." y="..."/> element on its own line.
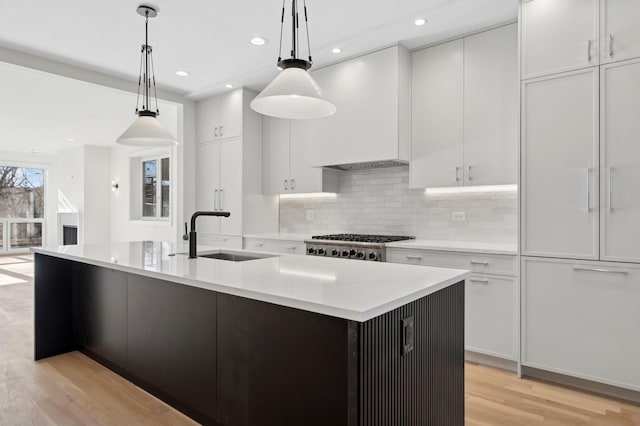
<point x="560" y="165"/>
<point x="465" y="111"/>
<point x="208" y="186"/>
<point x="619" y="30"/>
<point x="288" y="160"/>
<point x="372" y="96"/>
<point x="559" y="36"/>
<point x="491" y="107"/>
<point x="220" y="117"/>
<point x="620" y="161"/>
<point x="437" y="116"/>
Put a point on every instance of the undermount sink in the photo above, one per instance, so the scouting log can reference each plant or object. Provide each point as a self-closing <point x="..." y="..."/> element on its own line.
<point x="234" y="256"/>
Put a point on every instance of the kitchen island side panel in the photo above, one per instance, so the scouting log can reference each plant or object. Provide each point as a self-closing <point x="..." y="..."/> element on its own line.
<point x="424" y="386"/>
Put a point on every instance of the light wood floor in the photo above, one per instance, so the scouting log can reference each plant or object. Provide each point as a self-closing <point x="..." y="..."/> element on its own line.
<point x="71" y="389"/>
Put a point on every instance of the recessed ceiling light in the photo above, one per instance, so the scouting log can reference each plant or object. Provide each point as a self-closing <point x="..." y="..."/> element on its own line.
<point x="229" y="86"/>
<point x="337" y="50"/>
<point x="420" y="22"/>
<point x="259" y="41"/>
<point x="181" y="73"/>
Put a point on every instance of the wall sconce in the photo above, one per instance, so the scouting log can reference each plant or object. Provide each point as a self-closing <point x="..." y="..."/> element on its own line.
<point x="114" y="186"/>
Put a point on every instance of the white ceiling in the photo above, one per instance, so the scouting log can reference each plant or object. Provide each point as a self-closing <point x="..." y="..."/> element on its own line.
<point x="210" y="38"/>
<point x="41" y="111"/>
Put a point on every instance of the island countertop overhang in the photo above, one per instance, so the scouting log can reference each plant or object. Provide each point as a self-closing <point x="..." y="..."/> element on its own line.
<point x="341" y="288"/>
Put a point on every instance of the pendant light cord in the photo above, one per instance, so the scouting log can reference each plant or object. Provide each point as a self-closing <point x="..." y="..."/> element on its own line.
<point x="149" y="79"/>
<point x="281" y="28"/>
<point x="295" y="29"/>
<point x="306" y="24"/>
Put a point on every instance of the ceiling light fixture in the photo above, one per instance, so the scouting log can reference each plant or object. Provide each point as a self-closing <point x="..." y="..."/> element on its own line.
<point x="420" y="22"/>
<point x="146" y="130"/>
<point x="337" y="50"/>
<point x="278" y="100"/>
<point x="181" y="73"/>
<point x="259" y="41"/>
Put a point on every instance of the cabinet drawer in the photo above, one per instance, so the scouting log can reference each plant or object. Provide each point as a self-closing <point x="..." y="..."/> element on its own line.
<point x="274" y="246"/>
<point x="224" y="241"/>
<point x="581" y="319"/>
<point x="479" y="263"/>
<point x="490" y="315"/>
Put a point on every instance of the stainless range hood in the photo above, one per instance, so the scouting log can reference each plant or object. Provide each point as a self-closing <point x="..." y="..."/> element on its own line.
<point x="369" y="165"/>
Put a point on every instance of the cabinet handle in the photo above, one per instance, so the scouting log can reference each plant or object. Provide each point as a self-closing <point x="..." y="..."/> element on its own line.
<point x="469" y="173"/>
<point x="588" y="190"/>
<point x="293" y="184"/>
<point x="215" y="132"/>
<point x="479" y="280"/>
<point x="291" y="247"/>
<point x="286" y="184"/>
<point x="414" y="257"/>
<point x="215" y="199"/>
<point x="258" y="244"/>
<point x="221" y="130"/>
<point x="588" y="50"/>
<point x="606" y="271"/>
<point x="220" y="204"/>
<point x="479" y="262"/>
<point x="610" y="189"/>
<point x="610" y="45"/>
<point x="456" y="174"/>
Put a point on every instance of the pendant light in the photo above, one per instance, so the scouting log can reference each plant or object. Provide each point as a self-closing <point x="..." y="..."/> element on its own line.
<point x="146" y="130"/>
<point x="293" y="94"/>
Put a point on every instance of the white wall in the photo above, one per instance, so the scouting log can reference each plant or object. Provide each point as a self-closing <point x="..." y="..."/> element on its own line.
<point x="96" y="220"/>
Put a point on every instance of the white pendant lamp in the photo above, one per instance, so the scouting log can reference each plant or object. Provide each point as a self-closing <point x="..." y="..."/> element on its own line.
<point x="293" y="94"/>
<point x="146" y="130"/>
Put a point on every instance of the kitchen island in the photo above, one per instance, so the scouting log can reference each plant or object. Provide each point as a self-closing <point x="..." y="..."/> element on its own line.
<point x="278" y="340"/>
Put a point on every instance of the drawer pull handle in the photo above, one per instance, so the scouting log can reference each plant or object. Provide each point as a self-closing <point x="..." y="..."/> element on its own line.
<point x="479" y="280"/>
<point x="606" y="271"/>
<point x="414" y="257"/>
<point x="291" y="247"/>
<point x="258" y="244"/>
<point x="479" y="262"/>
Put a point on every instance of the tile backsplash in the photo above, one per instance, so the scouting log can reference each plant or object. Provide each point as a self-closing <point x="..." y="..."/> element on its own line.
<point x="380" y="201"/>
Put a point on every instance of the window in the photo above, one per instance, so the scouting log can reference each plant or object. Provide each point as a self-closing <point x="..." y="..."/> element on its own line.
<point x="21" y="207"/>
<point x="156" y="188"/>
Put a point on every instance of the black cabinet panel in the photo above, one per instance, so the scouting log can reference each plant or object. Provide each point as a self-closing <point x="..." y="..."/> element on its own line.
<point x="100" y="311"/>
<point x="172" y="341"/>
<point x="281" y="366"/>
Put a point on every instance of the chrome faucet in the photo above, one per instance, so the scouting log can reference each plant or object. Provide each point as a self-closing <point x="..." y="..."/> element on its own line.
<point x="193" y="235"/>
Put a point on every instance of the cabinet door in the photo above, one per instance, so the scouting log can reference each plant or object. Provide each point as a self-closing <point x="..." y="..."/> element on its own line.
<point x="365" y="125"/>
<point x="581" y="319"/>
<point x="490" y="315"/>
<point x="208" y="186"/>
<point x="231" y="186"/>
<point x="491" y="107"/>
<point x="558" y="36"/>
<point x="304" y="177"/>
<point x="560" y="117"/>
<point x="207" y="116"/>
<point x="620" y="160"/>
<point x="275" y="155"/>
<point x="437" y="125"/>
<point x="620" y="32"/>
<point x="230" y="115"/>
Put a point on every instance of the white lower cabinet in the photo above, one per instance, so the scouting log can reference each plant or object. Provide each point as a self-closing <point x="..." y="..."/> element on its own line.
<point x="581" y="319"/>
<point x="491" y="296"/>
<point x="274" y="246"/>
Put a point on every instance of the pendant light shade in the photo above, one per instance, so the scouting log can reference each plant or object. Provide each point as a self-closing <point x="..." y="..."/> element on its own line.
<point x="294" y="94"/>
<point x="146" y="130"/>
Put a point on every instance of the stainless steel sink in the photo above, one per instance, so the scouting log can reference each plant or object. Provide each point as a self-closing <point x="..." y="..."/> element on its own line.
<point x="233" y="257"/>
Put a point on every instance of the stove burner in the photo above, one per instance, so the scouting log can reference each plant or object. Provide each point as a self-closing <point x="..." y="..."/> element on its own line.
<point x="362" y="238"/>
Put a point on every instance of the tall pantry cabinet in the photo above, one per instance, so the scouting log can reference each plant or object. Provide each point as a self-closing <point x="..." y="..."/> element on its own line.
<point x="229" y="171"/>
<point x="580" y="207"/>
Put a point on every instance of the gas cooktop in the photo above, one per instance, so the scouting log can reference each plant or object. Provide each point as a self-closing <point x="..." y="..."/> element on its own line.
<point x="362" y="238"/>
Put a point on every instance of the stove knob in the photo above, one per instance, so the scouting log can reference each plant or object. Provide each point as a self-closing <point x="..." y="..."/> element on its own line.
<point x="352" y="252"/>
<point x="360" y="255"/>
<point x="334" y="252"/>
<point x="345" y="253"/>
<point x="311" y="250"/>
<point x="372" y="255"/>
<point x="321" y="252"/>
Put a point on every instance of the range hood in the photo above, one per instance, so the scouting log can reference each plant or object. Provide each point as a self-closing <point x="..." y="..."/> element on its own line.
<point x="368" y="165"/>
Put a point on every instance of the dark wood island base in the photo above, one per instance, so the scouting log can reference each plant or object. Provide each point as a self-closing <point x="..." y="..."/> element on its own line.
<point x="228" y="360"/>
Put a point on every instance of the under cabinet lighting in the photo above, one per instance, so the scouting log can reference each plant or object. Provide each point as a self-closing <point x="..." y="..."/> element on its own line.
<point x="471" y="189"/>
<point x="311" y="195"/>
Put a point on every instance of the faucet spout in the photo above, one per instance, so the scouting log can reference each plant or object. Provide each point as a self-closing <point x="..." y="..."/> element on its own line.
<point x="193" y="243"/>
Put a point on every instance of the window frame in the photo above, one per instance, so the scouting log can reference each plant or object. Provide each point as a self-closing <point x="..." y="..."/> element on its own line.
<point x="158" y="198"/>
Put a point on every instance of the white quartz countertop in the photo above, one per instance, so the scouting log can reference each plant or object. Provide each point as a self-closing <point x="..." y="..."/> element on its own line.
<point x="349" y="289"/>
<point x="458" y="246"/>
<point x="280" y="236"/>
